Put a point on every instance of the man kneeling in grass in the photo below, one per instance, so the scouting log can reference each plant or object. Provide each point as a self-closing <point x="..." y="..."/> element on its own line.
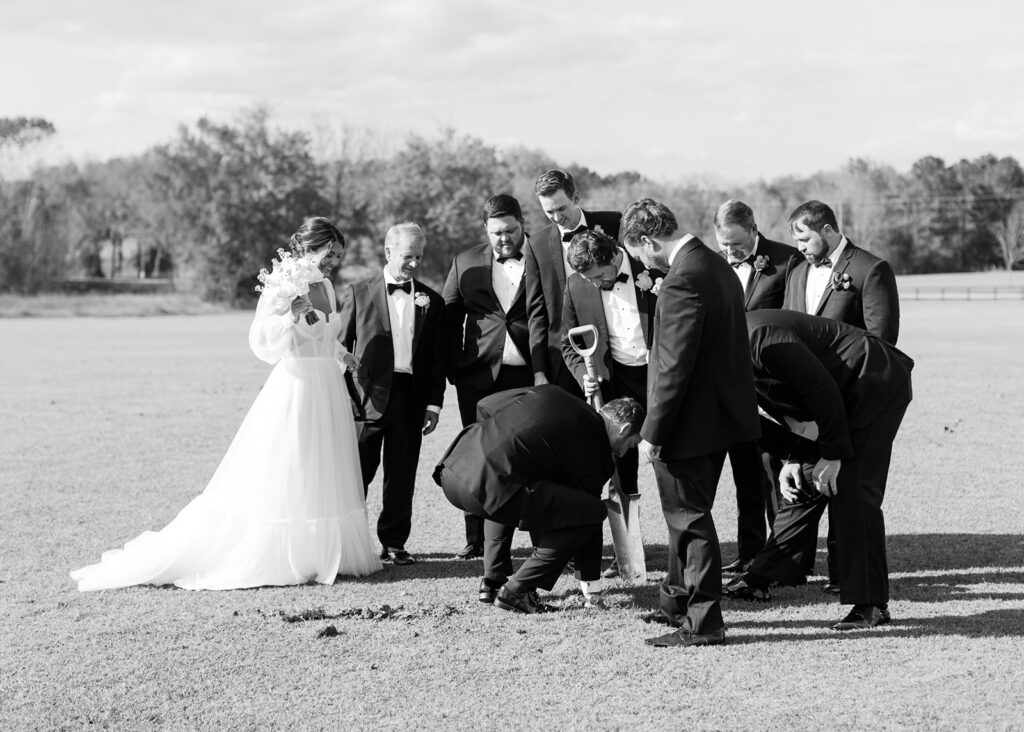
<point x="538" y="458"/>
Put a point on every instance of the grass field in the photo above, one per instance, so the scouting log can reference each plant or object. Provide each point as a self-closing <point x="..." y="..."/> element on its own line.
<point x="110" y="425"/>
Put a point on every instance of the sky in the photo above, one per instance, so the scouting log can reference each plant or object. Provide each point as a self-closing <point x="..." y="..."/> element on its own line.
<point x="730" y="91"/>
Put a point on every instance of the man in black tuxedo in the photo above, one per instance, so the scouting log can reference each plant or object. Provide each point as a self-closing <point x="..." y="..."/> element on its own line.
<point x="839" y="280"/>
<point x="761" y="265"/>
<point x="489" y="346"/>
<point x="612" y="291"/>
<point x="547" y="270"/>
<point x="539" y="458"/>
<point x="834" y="397"/>
<point x="842" y="282"/>
<point x="393" y="324"/>
<point x="700" y="399"/>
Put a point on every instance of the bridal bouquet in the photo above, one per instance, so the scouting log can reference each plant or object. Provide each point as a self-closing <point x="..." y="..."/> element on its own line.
<point x="289" y="278"/>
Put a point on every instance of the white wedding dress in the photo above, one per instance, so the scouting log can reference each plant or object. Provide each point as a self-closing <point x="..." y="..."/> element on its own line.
<point x="286" y="505"/>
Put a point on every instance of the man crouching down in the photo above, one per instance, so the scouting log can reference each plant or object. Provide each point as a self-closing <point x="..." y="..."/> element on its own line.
<point x="538" y="458"/>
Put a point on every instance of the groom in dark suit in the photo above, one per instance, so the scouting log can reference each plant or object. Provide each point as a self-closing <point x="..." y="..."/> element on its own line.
<point x="761" y="266"/>
<point x="393" y="324"/>
<point x="539" y="458"/>
<point x="841" y="282"/>
<point x="834" y="397"/>
<point x="700" y="398"/>
<point x="489" y="348"/>
<point x="547" y="270"/>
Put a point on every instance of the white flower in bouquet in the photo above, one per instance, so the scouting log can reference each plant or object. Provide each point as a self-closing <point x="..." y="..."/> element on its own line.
<point x="289" y="278"/>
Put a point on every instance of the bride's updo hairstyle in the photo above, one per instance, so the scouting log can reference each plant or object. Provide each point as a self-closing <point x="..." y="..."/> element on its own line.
<point x="315" y="235"/>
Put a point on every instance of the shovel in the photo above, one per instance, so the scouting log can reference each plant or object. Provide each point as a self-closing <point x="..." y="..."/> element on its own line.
<point x="623" y="509"/>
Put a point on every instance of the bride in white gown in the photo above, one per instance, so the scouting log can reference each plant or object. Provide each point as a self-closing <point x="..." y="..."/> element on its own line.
<point x="286" y="505"/>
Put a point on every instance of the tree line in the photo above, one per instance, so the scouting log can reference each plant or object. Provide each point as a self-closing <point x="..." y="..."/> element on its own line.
<point x="210" y="207"/>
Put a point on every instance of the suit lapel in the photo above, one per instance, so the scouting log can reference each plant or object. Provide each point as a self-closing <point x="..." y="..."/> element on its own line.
<point x="755" y="275"/>
<point x="799" y="301"/>
<point x="418" y="315"/>
<point x="379" y="298"/>
<point x="643" y="298"/>
<point x="839" y="269"/>
<point x="554" y="247"/>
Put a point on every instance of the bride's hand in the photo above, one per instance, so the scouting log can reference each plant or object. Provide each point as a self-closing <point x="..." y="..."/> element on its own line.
<point x="300" y="306"/>
<point x="350" y="361"/>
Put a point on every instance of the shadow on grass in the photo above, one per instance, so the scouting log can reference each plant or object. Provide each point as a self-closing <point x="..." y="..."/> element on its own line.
<point x="988" y="624"/>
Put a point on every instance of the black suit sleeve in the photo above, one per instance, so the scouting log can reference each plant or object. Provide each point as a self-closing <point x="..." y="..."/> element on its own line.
<point x="881" y="303"/>
<point x="570" y="320"/>
<point x="455" y="320"/>
<point x="537" y="315"/>
<point x="347" y="313"/>
<point x="494" y="403"/>
<point x="793" y="363"/>
<point x="439" y="361"/>
<point x="680" y="324"/>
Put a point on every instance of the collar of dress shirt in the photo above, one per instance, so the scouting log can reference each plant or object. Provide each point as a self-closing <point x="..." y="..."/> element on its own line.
<point x="389" y="280"/>
<point x="678" y="245"/>
<point x="834" y="256"/>
<point x="582" y="222"/>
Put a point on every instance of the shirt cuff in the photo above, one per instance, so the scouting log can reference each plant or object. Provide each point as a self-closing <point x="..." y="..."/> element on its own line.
<point x="433" y="408"/>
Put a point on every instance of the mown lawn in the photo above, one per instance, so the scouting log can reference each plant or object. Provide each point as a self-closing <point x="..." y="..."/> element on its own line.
<point x="110" y="425"/>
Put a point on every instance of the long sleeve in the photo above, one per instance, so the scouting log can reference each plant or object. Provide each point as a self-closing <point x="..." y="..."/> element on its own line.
<point x="274" y="332"/>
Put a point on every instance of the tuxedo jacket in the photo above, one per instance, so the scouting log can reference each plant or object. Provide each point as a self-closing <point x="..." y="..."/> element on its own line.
<point x="871" y="302"/>
<point x="766" y="288"/>
<point x="583" y="305"/>
<point x="525" y="436"/>
<point x="366" y="332"/>
<point x="476" y="324"/>
<point x="545" y="285"/>
<point x="700" y="387"/>
<point x="820" y="370"/>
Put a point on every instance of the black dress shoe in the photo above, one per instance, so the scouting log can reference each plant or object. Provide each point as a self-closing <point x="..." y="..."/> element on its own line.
<point x="385" y="555"/>
<point x="830" y="587"/>
<point x="740" y="589"/>
<point x="862" y="617"/>
<point x="657" y="616"/>
<point x="487" y="591"/>
<point x="472" y="551"/>
<point x="401" y="556"/>
<point x="737" y="566"/>
<point x="683" y="637"/>
<point x="527" y="603"/>
<point x="612" y="571"/>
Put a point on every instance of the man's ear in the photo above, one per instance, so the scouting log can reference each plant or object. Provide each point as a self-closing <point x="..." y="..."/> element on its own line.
<point x="623" y="429"/>
<point x="576" y="197"/>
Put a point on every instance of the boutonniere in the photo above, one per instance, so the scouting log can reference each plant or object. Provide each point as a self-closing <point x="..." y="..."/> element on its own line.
<point x="761" y="263"/>
<point x="644" y="281"/>
<point x="841" y="281"/>
<point x="421" y="301"/>
<point x="657" y="285"/>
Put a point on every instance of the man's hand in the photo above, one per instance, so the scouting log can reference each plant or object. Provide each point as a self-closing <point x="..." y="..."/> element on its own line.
<point x="540" y="378"/>
<point x="649" y="452"/>
<point x="825" y="476"/>
<point x="590" y="386"/>
<point x="791" y="482"/>
<point x="430" y="422"/>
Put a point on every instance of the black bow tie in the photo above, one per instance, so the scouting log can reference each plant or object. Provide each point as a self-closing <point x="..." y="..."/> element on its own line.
<point x="567" y="236"/>
<point x="748" y="260"/>
<point x="621" y="277"/>
<point x="405" y="287"/>
<point x="826" y="262"/>
<point x="518" y="256"/>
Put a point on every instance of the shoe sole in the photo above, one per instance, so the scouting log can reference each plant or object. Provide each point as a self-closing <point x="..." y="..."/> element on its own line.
<point x="510" y="608"/>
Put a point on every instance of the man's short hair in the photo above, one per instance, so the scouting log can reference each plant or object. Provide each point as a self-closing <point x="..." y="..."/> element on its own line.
<point x="553" y="181"/>
<point x="502" y="205"/>
<point x="815" y="215"/>
<point x="406" y="227"/>
<point x="735" y="213"/>
<point x="589" y="248"/>
<point x="625" y="411"/>
<point x="647" y="217"/>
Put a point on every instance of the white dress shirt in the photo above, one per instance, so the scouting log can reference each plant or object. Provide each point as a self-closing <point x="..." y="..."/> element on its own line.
<point x="402" y="315"/>
<point x="818" y="278"/>
<point x="506" y="278"/>
<point x="746" y="270"/>
<point x="625" y="334"/>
